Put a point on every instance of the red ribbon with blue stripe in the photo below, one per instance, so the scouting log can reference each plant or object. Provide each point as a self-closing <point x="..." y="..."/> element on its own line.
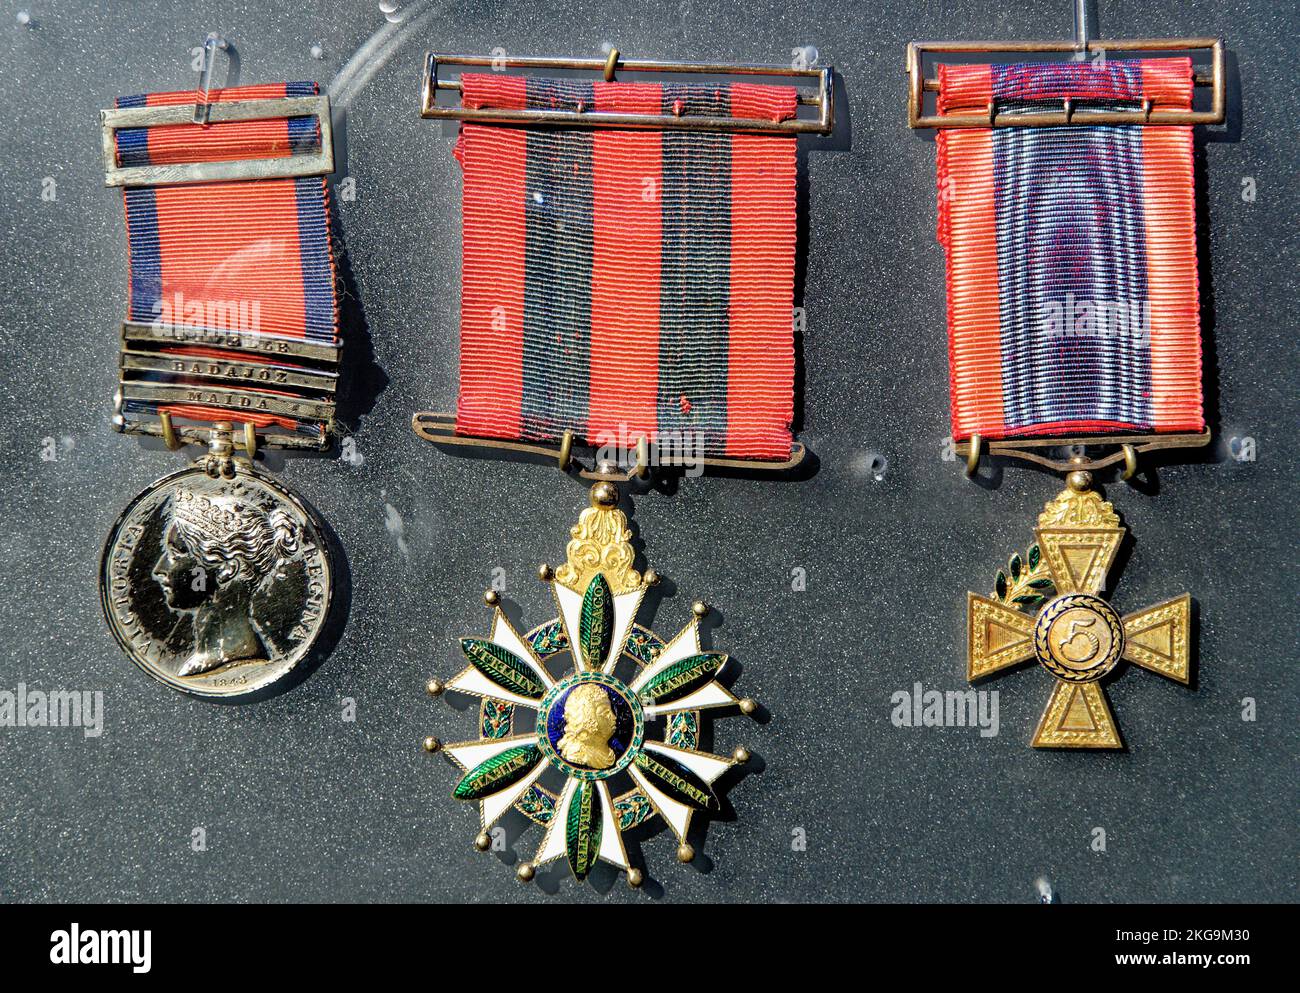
<point x="1073" y="302"/>
<point x="250" y="258"/>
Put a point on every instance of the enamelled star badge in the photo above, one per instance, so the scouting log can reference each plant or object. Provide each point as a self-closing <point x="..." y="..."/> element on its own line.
<point x="612" y="743"/>
<point x="1074" y="633"/>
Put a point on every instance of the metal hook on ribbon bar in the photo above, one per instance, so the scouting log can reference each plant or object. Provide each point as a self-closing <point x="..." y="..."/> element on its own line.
<point x="820" y="97"/>
<point x="211" y="44"/>
<point x="1128" y="448"/>
<point x="1082" y="30"/>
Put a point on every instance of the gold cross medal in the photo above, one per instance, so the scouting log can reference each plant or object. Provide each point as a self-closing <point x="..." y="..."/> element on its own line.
<point x="627" y="287"/>
<point x="1048" y="607"/>
<point x="1068" y="220"/>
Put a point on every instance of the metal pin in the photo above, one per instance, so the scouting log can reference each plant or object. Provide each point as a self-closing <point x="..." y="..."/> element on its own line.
<point x="210" y="44"/>
<point x="566" y="451"/>
<point x="1043" y="887"/>
<point x="1130" y="463"/>
<point x="973" y="454"/>
<point x="169" y="430"/>
<point x="642" y="458"/>
<point x="1082" y="30"/>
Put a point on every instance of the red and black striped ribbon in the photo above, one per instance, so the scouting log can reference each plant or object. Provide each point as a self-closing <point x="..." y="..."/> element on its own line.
<point x="621" y="283"/>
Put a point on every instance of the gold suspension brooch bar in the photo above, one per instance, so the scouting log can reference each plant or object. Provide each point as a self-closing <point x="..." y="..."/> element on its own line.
<point x="820" y="98"/>
<point x="919" y="85"/>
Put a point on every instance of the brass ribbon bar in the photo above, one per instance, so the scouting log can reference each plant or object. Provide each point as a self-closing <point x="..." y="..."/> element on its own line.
<point x="1136" y="444"/>
<point x="821" y="98"/>
<point x="919" y="85"/>
<point x="440" y="429"/>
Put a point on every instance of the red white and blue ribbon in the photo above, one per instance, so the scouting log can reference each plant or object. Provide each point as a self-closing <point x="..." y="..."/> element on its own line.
<point x="250" y="257"/>
<point x="1072" y="283"/>
<point x="620" y="284"/>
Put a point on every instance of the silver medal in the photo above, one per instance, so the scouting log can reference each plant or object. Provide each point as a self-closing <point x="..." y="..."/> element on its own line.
<point x="216" y="585"/>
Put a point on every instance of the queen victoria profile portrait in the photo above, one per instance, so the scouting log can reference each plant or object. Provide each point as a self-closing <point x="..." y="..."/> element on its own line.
<point x="219" y="551"/>
<point x="589" y="723"/>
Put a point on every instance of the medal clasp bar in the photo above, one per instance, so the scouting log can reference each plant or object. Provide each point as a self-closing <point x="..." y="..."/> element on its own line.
<point x="819" y="98"/>
<point x="318" y="162"/>
<point x="176" y="436"/>
<point x="1127" y="449"/>
<point x="919" y="84"/>
<point x="281" y="377"/>
<point x="440" y="429"/>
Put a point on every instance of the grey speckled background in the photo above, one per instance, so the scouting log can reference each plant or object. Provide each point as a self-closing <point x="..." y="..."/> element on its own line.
<point x="298" y="804"/>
